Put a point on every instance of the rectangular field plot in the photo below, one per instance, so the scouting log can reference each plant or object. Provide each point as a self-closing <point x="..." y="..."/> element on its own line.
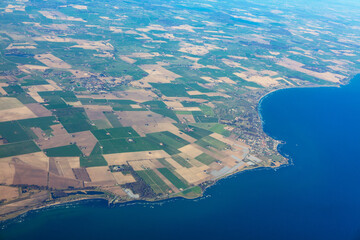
<point x="73" y="119"/>
<point x="64" y="151"/>
<point x="172" y="178"/>
<point x="95" y="159"/>
<point x="123" y="145"/>
<point x="193" y="131"/>
<point x="114" y="133"/>
<point x="14" y="149"/>
<point x="113" y="119"/>
<point x="205" y="159"/>
<point x="169" y="142"/>
<point x="212" y="142"/>
<point x="181" y="161"/>
<point x="13" y="132"/>
<point x="169" y="138"/>
<point x="154" y="181"/>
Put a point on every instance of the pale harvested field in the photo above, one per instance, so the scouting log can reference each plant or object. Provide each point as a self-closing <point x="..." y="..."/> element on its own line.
<point x="145" y="164"/>
<point x="95" y="112"/>
<point x="191" y="150"/>
<point x="238" y="57"/>
<point x="189" y="118"/>
<point x="73" y="161"/>
<point x="151" y="27"/>
<point x="60" y="138"/>
<point x="151" y="128"/>
<point x="253" y="76"/>
<point x="26" y="174"/>
<point x="123" y="158"/>
<point x="231" y="63"/>
<point x="297" y="66"/>
<point x="80" y="7"/>
<point x="173" y="104"/>
<point x="80" y="73"/>
<point x="52" y="61"/>
<point x="60" y="26"/>
<point x="194" y="175"/>
<point x="85" y="141"/>
<point x="12" y="46"/>
<point x="135" y="106"/>
<point x="81" y="43"/>
<point x="7" y="173"/>
<point x="116" y="29"/>
<point x="138" y="95"/>
<point x="2" y="91"/>
<point x="36" y="160"/>
<point x="185" y="27"/>
<point x="127" y="59"/>
<point x="39" y="110"/>
<point x="100" y="176"/>
<point x="123" y="179"/>
<point x="157" y="74"/>
<point x="60" y="182"/>
<point x="9" y="103"/>
<point x="139" y="118"/>
<point x="16" y="114"/>
<point x="93" y="45"/>
<point x="33" y="90"/>
<point x="63" y="166"/>
<point x="193" y="49"/>
<point x="224" y="139"/>
<point x="8" y="193"/>
<point x="226" y="80"/>
<point x="55" y="15"/>
<point x="195" y="92"/>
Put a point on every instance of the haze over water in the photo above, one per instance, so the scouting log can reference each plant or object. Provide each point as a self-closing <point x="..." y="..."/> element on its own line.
<point x="316" y="198"/>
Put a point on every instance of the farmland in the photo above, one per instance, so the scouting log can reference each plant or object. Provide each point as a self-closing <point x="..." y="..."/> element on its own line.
<point x="145" y="100"/>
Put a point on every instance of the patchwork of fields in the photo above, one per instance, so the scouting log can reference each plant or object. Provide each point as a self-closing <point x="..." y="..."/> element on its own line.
<point x="147" y="100"/>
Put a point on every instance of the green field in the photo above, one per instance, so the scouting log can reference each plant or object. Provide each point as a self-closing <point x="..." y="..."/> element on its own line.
<point x="113" y="119"/>
<point x="154" y="181"/>
<point x="95" y="159"/>
<point x="165" y="163"/>
<point x="8" y="103"/>
<point x="169" y="138"/>
<point x="13" y="132"/>
<point x="192" y="192"/>
<point x="208" y="141"/>
<point x="205" y="159"/>
<point x="181" y="161"/>
<point x="73" y="119"/>
<point x="115" y="133"/>
<point x="102" y="123"/>
<point x="172" y="178"/>
<point x="193" y="131"/>
<point x="43" y="122"/>
<point x="122" y="132"/>
<point x="123" y="145"/>
<point x="64" y="151"/>
<point x="13" y="149"/>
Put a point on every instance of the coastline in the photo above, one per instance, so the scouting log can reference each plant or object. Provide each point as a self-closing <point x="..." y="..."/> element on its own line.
<point x="17" y="214"/>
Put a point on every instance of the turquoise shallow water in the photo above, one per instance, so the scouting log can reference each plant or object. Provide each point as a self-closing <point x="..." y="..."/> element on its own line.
<point x="318" y="197"/>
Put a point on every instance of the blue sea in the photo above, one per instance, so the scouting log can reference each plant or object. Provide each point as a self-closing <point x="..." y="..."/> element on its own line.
<point x="315" y="197"/>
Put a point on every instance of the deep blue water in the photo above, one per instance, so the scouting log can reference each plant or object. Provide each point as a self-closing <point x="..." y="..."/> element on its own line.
<point x="318" y="197"/>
